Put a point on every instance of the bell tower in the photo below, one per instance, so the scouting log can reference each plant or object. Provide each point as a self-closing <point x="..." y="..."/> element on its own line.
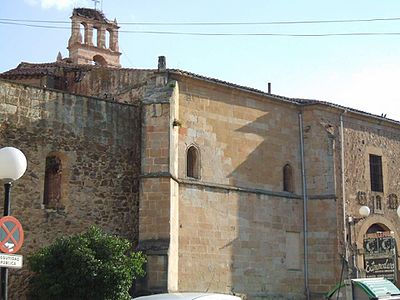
<point x="99" y="43"/>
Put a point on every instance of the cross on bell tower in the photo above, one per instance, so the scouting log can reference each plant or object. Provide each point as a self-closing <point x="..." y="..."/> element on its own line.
<point x="95" y="3"/>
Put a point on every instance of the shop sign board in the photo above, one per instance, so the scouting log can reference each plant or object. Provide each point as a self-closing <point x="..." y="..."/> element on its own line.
<point x="380" y="255"/>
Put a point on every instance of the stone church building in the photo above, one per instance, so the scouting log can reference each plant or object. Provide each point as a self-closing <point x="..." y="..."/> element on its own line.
<point x="224" y="187"/>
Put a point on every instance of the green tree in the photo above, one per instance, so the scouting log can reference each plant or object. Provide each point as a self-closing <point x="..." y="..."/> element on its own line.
<point x="91" y="265"/>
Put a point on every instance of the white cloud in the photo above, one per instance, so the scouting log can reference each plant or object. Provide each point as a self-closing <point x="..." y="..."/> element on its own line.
<point x="58" y="4"/>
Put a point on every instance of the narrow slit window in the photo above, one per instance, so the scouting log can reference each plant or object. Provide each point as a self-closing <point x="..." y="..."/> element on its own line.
<point x="52" y="182"/>
<point x="288" y="178"/>
<point x="375" y="166"/>
<point x="193" y="163"/>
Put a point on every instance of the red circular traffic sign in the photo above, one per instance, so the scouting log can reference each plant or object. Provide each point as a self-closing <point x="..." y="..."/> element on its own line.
<point x="11" y="235"/>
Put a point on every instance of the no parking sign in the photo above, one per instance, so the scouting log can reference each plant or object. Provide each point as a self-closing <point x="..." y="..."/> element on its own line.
<point x="11" y="235"/>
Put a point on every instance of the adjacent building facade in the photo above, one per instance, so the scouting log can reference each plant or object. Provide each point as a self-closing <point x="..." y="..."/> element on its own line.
<point x="224" y="187"/>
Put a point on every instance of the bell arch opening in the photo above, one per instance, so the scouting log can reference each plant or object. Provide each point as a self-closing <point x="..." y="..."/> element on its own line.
<point x="99" y="60"/>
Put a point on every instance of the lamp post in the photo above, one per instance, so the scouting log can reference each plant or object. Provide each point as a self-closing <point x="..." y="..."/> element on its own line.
<point x="364" y="211"/>
<point x="12" y="166"/>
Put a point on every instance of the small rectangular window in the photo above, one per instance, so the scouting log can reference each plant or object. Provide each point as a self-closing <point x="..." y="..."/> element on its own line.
<point x="375" y="167"/>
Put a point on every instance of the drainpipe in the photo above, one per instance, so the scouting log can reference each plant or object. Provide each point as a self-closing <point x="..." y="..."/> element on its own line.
<point x="346" y="250"/>
<point x="305" y="199"/>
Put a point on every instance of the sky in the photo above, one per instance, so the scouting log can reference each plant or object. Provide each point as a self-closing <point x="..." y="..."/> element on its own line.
<point x="357" y="71"/>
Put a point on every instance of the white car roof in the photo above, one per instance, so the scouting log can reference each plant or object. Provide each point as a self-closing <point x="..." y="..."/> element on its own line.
<point x="189" y="296"/>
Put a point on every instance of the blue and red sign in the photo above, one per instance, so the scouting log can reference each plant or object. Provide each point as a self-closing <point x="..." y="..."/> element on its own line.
<point x="11" y="235"/>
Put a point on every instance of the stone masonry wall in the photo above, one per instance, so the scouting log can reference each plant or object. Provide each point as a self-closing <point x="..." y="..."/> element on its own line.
<point x="98" y="143"/>
<point x="244" y="140"/>
<point x="236" y="243"/>
<point x="325" y="226"/>
<point x="155" y="185"/>
<point x="117" y="85"/>
<point x="365" y="136"/>
<point x="234" y="221"/>
<point x="121" y="85"/>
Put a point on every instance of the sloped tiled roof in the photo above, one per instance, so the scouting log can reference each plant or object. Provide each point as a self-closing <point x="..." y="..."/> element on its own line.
<point x="298" y="101"/>
<point x="42" y="69"/>
<point x="229" y="84"/>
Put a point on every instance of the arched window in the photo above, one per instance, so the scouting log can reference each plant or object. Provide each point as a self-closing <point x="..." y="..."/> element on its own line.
<point x="288" y="185"/>
<point x="82" y="32"/>
<point x="52" y="182"/>
<point x="193" y="162"/>
<point x="99" y="60"/>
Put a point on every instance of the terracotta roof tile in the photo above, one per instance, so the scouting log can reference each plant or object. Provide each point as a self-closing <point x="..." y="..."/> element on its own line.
<point x="298" y="101"/>
<point x="42" y="69"/>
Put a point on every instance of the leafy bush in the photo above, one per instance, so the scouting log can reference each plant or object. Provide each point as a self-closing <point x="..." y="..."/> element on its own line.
<point x="91" y="265"/>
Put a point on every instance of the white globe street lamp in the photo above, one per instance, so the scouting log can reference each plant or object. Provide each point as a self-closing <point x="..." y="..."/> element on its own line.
<point x="12" y="164"/>
<point x="364" y="211"/>
<point x="12" y="167"/>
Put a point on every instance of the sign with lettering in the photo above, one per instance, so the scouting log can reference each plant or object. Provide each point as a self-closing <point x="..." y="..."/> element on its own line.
<point x="380" y="267"/>
<point x="10" y="261"/>
<point x="380" y="255"/>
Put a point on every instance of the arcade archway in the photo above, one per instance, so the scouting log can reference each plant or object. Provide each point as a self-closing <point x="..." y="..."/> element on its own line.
<point x="377" y="246"/>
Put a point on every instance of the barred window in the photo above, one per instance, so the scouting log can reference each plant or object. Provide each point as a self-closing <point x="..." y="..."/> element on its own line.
<point x="375" y="166"/>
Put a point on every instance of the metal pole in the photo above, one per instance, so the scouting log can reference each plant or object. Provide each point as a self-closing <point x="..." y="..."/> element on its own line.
<point x="7" y="202"/>
<point x="305" y="207"/>
<point x="342" y="175"/>
<point x="4" y="271"/>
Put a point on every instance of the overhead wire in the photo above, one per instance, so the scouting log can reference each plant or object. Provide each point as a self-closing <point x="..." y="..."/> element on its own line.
<point x="223" y="23"/>
<point x="262" y="34"/>
<point x="23" y="22"/>
<point x="32" y="25"/>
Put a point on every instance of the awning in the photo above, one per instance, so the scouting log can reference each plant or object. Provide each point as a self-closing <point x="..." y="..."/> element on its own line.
<point x="373" y="288"/>
<point x="376" y="287"/>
